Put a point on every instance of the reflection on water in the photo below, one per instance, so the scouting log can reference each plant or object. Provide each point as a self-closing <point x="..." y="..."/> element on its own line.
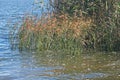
<point x="15" y="65"/>
<point x="59" y="66"/>
<point x="54" y="66"/>
<point x="81" y="66"/>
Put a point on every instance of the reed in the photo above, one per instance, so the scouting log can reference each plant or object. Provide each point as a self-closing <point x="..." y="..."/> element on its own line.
<point x="51" y="33"/>
<point x="104" y="35"/>
<point x="92" y="25"/>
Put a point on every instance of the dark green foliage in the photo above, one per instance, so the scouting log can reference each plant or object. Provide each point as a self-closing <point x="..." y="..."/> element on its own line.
<point x="84" y="7"/>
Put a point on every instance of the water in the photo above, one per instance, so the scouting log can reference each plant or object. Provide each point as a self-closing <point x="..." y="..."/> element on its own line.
<point x="15" y="65"/>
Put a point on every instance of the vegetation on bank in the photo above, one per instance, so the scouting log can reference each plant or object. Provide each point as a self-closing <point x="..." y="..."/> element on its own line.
<point x="73" y="26"/>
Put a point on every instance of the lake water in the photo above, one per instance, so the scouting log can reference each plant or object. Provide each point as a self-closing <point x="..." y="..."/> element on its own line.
<point x="15" y="65"/>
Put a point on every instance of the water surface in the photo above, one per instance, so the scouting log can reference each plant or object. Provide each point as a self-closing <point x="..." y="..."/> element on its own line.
<point x="15" y="65"/>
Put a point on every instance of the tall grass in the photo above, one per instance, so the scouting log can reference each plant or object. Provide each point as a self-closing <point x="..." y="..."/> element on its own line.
<point x="106" y="15"/>
<point x="72" y="27"/>
<point x="50" y="33"/>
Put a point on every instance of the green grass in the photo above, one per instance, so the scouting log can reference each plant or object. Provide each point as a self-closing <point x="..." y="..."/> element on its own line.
<point x="73" y="34"/>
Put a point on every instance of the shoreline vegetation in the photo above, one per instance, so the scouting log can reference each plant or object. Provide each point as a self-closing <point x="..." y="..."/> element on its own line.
<point x="73" y="26"/>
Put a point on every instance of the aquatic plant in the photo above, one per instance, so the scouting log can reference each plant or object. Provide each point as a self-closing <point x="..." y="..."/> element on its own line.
<point x="104" y="35"/>
<point x="95" y="25"/>
<point x="51" y="33"/>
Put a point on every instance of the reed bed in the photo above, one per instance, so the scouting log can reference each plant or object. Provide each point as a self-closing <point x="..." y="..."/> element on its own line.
<point x="73" y="28"/>
<point x="61" y="33"/>
<point x="104" y="35"/>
